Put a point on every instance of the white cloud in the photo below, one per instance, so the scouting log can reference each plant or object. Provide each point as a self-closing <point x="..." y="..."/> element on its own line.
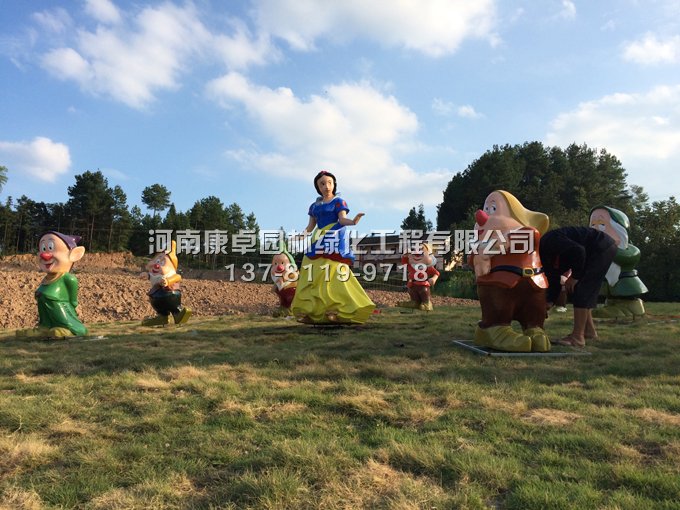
<point x="41" y="158"/>
<point x="468" y="112"/>
<point x="353" y="130"/>
<point x="130" y="65"/>
<point x="651" y="50"/>
<point x="441" y="107"/>
<point x="18" y="48"/>
<point x="117" y="175"/>
<point x="568" y="10"/>
<point x="608" y="26"/>
<point x="56" y="21"/>
<point x="104" y="11"/>
<point x="241" y="49"/>
<point x="642" y="130"/>
<point x="131" y="62"/>
<point x="516" y="15"/>
<point x="66" y="63"/>
<point x="433" y="27"/>
<point x="446" y="108"/>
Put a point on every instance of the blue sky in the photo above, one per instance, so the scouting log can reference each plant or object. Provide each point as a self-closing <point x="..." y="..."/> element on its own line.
<point x="247" y="100"/>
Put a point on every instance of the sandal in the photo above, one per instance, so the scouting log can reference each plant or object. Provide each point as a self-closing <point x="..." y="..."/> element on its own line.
<point x="570" y="341"/>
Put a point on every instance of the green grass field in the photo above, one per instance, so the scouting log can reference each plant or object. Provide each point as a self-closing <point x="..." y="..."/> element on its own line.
<point x="256" y="412"/>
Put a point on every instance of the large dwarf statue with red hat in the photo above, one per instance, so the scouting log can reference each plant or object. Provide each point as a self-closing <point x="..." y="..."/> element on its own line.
<point x="165" y="295"/>
<point x="622" y="286"/>
<point x="510" y="281"/>
<point x="422" y="275"/>
<point x="57" y="295"/>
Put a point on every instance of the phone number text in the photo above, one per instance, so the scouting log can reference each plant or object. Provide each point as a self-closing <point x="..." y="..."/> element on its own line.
<point x="369" y="272"/>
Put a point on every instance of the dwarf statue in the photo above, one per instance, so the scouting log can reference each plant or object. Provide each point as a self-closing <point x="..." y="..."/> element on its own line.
<point x="57" y="295"/>
<point x="510" y="280"/>
<point x="422" y="275"/>
<point x="285" y="277"/>
<point x="622" y="286"/>
<point x="165" y="295"/>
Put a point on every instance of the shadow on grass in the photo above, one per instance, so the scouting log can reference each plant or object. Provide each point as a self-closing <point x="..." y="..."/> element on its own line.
<point x="393" y="345"/>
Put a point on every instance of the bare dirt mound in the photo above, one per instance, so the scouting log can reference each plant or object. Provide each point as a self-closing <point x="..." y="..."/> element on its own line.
<point x="111" y="291"/>
<point x="91" y="262"/>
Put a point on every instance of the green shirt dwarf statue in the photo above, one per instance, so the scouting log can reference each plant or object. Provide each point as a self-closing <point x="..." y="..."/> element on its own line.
<point x="57" y="295"/>
<point x="622" y="286"/>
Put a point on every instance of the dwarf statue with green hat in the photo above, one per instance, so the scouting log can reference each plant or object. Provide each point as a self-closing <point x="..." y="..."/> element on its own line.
<point x="165" y="295"/>
<point x="285" y="276"/>
<point x="622" y="286"/>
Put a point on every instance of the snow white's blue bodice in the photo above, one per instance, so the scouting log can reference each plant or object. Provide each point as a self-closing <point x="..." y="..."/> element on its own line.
<point x="334" y="243"/>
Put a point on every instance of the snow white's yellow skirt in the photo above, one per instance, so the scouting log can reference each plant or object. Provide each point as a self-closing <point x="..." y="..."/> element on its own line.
<point x="328" y="292"/>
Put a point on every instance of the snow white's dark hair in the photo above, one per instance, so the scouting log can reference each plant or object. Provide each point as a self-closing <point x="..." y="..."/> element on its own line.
<point x="321" y="174"/>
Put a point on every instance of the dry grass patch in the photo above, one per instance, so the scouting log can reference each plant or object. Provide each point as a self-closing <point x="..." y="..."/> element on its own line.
<point x="672" y="450"/>
<point x="330" y="369"/>
<point x="186" y="372"/>
<point x="448" y="402"/>
<point x="378" y="485"/>
<point x="17" y="450"/>
<point x="404" y="369"/>
<point x="658" y="417"/>
<point x="15" y="498"/>
<point x="151" y="383"/>
<point x="553" y="417"/>
<point x="241" y="374"/>
<point x="189" y="377"/>
<point x="24" y="352"/>
<point x="275" y="411"/>
<point x="280" y="410"/>
<point x="231" y="406"/>
<point x="627" y="453"/>
<point x="368" y="403"/>
<point x="319" y="385"/>
<point x="168" y="493"/>
<point x="513" y="408"/>
<point x="574" y="384"/>
<point x="315" y="386"/>
<point x="21" y="377"/>
<point x="280" y="384"/>
<point x="422" y="413"/>
<point x="68" y="427"/>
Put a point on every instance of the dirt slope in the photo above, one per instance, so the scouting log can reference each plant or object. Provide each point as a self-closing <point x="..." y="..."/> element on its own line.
<point x="110" y="291"/>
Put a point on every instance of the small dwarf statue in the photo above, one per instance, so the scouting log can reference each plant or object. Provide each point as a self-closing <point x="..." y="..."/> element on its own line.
<point x="57" y="295"/>
<point x="510" y="283"/>
<point x="422" y="275"/>
<point x="622" y="286"/>
<point x="285" y="277"/>
<point x="165" y="295"/>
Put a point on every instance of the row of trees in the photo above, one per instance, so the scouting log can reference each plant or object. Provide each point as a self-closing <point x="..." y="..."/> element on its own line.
<point x="563" y="183"/>
<point x="100" y="214"/>
<point x="566" y="184"/>
<point x="416" y="220"/>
